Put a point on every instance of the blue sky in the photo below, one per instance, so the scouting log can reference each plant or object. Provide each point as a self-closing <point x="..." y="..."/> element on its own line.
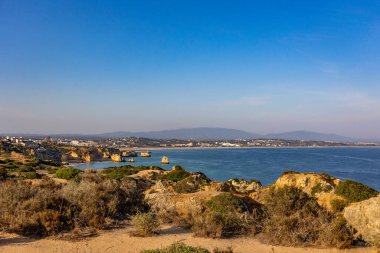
<point x="262" y="66"/>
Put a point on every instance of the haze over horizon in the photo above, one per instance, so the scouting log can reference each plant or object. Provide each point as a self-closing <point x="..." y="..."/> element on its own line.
<point x="262" y="67"/>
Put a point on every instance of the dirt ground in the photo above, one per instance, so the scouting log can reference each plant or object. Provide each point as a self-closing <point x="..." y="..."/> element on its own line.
<point x="120" y="241"/>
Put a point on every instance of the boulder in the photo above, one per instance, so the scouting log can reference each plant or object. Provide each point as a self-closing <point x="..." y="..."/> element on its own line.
<point x="364" y="216"/>
<point x="311" y="183"/>
<point x="116" y="157"/>
<point x="245" y="187"/>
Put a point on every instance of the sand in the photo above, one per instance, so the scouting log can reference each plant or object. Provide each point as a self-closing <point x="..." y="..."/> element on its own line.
<point x="120" y="241"/>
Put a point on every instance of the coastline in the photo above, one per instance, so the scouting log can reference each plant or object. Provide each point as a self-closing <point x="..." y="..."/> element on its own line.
<point x="208" y="148"/>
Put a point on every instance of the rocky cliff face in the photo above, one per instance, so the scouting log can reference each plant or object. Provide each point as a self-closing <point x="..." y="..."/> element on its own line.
<point x="116" y="157"/>
<point x="91" y="155"/>
<point x="311" y="183"/>
<point x="48" y="155"/>
<point x="365" y="218"/>
<point x="321" y="186"/>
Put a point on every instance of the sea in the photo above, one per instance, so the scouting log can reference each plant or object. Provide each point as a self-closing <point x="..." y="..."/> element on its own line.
<point x="266" y="164"/>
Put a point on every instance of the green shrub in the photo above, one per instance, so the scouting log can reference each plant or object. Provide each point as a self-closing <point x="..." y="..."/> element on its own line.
<point x="146" y="224"/>
<point x="227" y="215"/>
<point x="287" y="172"/>
<point x="192" y="183"/>
<point x="296" y="219"/>
<point x="355" y="191"/>
<point x="32" y="164"/>
<point x="123" y="171"/>
<point x="67" y="173"/>
<point x="117" y="173"/>
<point x="320" y="188"/>
<point x="176" y="174"/>
<point x="338" y="204"/>
<point x="24" y="169"/>
<point x="52" y="170"/>
<point x="178" y="248"/>
<point x="3" y="174"/>
<point x="30" y="175"/>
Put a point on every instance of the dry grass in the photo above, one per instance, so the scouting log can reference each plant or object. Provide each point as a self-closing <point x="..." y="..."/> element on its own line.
<point x="296" y="219"/>
<point x="146" y="224"/>
<point x="49" y="208"/>
<point x="227" y="215"/>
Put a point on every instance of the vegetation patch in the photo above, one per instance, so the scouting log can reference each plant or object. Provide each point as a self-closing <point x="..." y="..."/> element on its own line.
<point x="49" y="208"/>
<point x="176" y="174"/>
<point x="178" y="248"/>
<point x="320" y="188"/>
<point x="296" y="219"/>
<point x="146" y="224"/>
<point x="355" y="191"/>
<point x="192" y="183"/>
<point x="287" y="172"/>
<point x="3" y="174"/>
<point x="67" y="173"/>
<point x="338" y="205"/>
<point x="125" y="170"/>
<point x="227" y="215"/>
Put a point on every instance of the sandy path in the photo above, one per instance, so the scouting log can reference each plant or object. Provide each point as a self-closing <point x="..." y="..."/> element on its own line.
<point x="120" y="241"/>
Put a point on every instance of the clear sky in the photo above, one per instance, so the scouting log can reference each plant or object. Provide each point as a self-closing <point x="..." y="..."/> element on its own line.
<point x="75" y="66"/>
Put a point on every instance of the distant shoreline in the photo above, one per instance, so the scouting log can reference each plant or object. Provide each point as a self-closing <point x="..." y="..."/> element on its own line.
<point x="197" y="148"/>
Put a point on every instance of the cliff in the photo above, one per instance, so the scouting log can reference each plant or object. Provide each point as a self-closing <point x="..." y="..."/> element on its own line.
<point x="364" y="216"/>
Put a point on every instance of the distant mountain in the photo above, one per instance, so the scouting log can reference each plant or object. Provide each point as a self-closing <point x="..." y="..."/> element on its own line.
<point x="201" y="133"/>
<point x="209" y="133"/>
<point x="309" y="136"/>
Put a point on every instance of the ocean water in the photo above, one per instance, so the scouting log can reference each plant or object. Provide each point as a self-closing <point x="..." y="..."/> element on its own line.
<point x="267" y="164"/>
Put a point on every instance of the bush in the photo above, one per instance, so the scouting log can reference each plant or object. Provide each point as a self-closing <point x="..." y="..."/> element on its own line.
<point x="176" y="174"/>
<point x="3" y="174"/>
<point x="117" y="173"/>
<point x="192" y="183"/>
<point x="320" y="188"/>
<point x="355" y="191"/>
<point x="96" y="199"/>
<point x="52" y="170"/>
<point x="287" y="172"/>
<point x="30" y="175"/>
<point x="338" y="204"/>
<point x="125" y="170"/>
<point x="146" y="224"/>
<point x="28" y="209"/>
<point x="296" y="219"/>
<point x="227" y="215"/>
<point x="67" y="173"/>
<point x="178" y="248"/>
<point x="48" y="208"/>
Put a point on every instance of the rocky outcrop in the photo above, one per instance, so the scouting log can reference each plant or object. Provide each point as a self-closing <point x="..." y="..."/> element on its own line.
<point x="245" y="187"/>
<point x="192" y="183"/>
<point x="311" y="183"/>
<point x="48" y="155"/>
<point x="74" y="154"/>
<point x="116" y="157"/>
<point x="320" y="186"/>
<point x="92" y="155"/>
<point x="364" y="216"/>
<point x="218" y="186"/>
